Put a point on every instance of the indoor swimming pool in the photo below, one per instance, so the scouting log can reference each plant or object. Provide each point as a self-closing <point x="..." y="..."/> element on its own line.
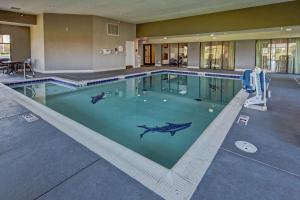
<point x="158" y="116"/>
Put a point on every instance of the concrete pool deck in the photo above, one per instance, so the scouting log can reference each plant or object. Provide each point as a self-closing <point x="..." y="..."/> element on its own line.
<point x="38" y="161"/>
<point x="98" y="75"/>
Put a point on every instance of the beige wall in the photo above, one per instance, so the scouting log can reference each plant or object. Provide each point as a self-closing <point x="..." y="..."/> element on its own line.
<point x="73" y="43"/>
<point x="20" y="41"/>
<point x="68" y="42"/>
<point x="38" y="45"/>
<point x="194" y="54"/>
<point x="245" y="54"/>
<point x="103" y="41"/>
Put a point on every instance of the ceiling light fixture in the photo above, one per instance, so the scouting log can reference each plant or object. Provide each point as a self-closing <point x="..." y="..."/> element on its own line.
<point x="15" y="8"/>
<point x="288" y="29"/>
<point x="214" y="38"/>
<point x="165" y="38"/>
<point x="212" y="35"/>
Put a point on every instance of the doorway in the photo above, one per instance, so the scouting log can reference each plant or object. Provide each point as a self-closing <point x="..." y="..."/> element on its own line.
<point x="149" y="53"/>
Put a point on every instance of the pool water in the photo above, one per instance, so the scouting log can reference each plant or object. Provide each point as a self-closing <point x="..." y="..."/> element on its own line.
<point x="149" y="102"/>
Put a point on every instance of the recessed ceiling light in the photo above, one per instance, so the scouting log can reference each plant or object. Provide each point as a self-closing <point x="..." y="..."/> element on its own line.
<point x="212" y="35"/>
<point x="288" y="29"/>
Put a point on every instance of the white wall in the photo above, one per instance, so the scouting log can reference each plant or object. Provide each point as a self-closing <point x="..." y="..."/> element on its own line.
<point x="37" y="44"/>
<point x="244" y="54"/>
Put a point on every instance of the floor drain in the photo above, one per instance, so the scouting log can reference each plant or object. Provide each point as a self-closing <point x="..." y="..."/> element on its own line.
<point x="246" y="146"/>
<point x="29" y="117"/>
<point x="244" y="119"/>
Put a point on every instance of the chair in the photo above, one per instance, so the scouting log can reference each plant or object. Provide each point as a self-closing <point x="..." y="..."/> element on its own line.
<point x="4" y="66"/>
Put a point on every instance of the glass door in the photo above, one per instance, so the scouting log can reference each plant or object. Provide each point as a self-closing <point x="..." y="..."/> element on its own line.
<point x="183" y="55"/>
<point x="165" y="54"/>
<point x="279" y="55"/>
<point x="292" y="50"/>
<point x="173" y="54"/>
<point x="148" y="54"/>
<point x="216" y="55"/>
<point x="205" y="55"/>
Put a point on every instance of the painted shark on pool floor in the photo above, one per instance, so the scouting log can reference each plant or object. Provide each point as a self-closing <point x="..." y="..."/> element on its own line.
<point x="97" y="98"/>
<point x="169" y="128"/>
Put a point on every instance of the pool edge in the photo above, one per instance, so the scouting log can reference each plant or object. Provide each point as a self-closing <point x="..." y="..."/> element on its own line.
<point x="170" y="184"/>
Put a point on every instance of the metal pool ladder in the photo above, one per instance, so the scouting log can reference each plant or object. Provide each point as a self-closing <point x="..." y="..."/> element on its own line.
<point x="27" y="63"/>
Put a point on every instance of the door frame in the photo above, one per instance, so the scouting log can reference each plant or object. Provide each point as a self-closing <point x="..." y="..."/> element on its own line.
<point x="151" y="56"/>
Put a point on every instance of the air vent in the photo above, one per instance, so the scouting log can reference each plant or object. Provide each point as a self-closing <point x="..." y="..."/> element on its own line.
<point x="113" y="29"/>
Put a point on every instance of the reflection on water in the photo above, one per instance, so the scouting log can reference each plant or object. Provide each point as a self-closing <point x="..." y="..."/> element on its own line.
<point x="198" y="88"/>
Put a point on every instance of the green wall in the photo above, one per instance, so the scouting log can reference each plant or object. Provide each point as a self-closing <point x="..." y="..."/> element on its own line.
<point x="275" y="15"/>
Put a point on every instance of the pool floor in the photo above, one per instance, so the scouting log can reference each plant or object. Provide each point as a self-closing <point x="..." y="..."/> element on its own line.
<point x="159" y="103"/>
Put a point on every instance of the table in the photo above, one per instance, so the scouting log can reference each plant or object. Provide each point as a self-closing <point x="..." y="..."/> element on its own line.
<point x="12" y="66"/>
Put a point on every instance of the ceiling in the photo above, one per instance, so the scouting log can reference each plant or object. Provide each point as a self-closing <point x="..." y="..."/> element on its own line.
<point x="135" y="11"/>
<point x="267" y="33"/>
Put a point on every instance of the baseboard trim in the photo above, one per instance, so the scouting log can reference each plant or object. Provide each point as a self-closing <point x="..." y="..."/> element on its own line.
<point x="241" y="70"/>
<point x="193" y="67"/>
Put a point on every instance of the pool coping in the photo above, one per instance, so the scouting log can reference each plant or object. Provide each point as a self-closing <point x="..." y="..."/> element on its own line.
<point x="181" y="180"/>
<point x="91" y="82"/>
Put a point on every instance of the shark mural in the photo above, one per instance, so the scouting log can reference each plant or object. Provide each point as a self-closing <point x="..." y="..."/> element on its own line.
<point x="169" y="128"/>
<point x="97" y="98"/>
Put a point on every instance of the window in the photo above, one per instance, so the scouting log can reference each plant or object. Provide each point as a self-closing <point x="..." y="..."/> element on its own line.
<point x="217" y="55"/>
<point x="183" y="54"/>
<point x="278" y="55"/>
<point x="175" y="54"/>
<point x="4" y="47"/>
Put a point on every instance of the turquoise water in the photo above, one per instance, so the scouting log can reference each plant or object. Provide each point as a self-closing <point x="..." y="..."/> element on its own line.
<point x="150" y="101"/>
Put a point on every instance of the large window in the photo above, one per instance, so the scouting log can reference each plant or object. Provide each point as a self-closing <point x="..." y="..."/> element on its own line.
<point x="183" y="54"/>
<point x="4" y="46"/>
<point x="279" y="55"/>
<point x="217" y="55"/>
<point x="175" y="54"/>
